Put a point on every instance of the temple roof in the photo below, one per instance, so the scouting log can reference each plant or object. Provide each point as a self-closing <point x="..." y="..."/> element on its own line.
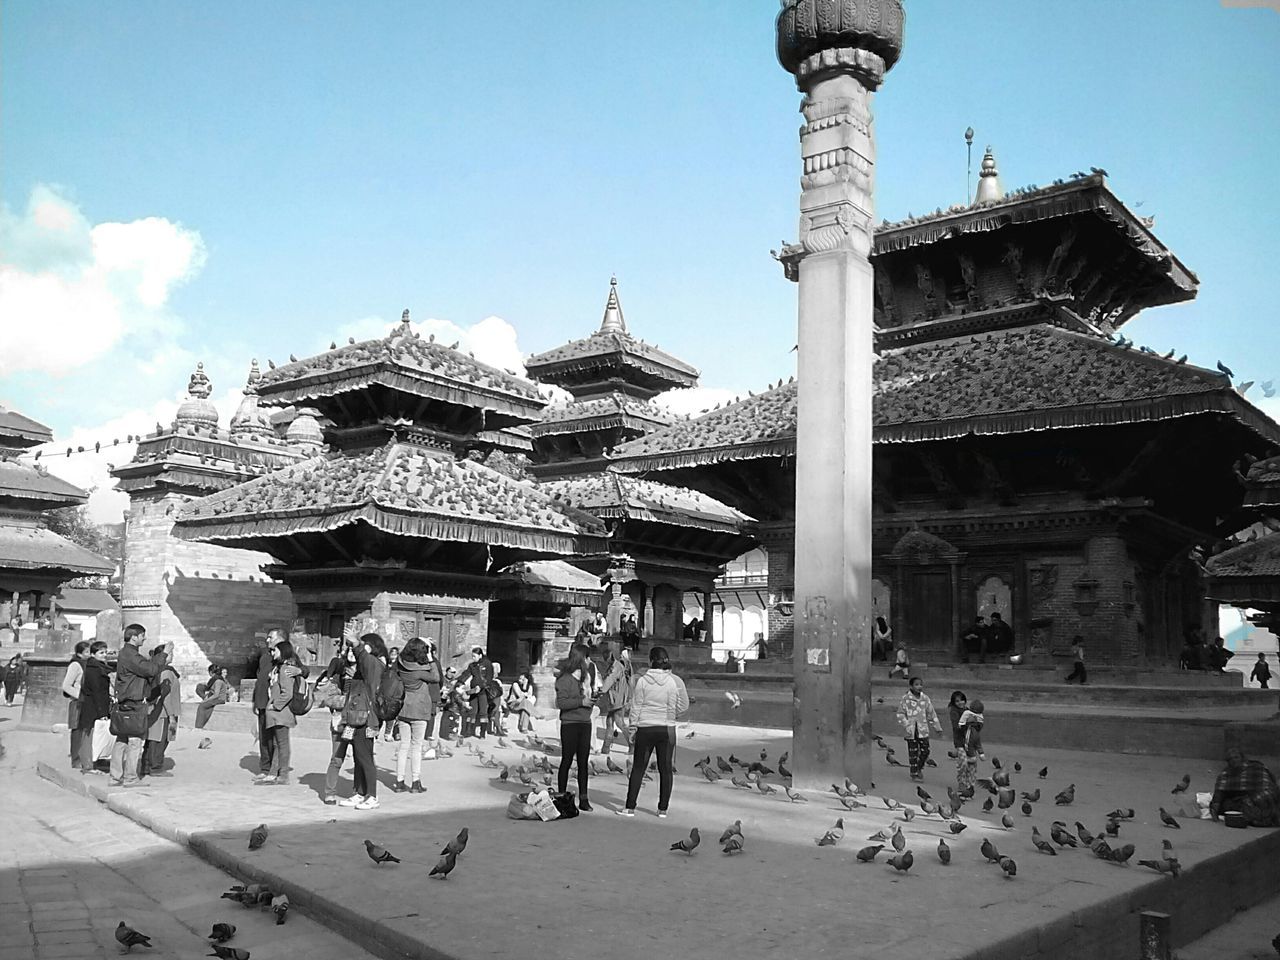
<point x="202" y="459"/>
<point x="601" y="413"/>
<point x="18" y="431"/>
<point x="550" y="581"/>
<point x="611" y="346"/>
<point x="398" y="489"/>
<point x="612" y="495"/>
<point x="1257" y="558"/>
<point x="405" y="362"/>
<point x="22" y="482"/>
<point x="1009" y="381"/>
<point x="35" y="548"/>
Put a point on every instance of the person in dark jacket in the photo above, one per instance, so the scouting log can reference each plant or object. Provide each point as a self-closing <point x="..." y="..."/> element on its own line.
<point x="261" y="700"/>
<point x="481" y="671"/>
<point x="95" y="702"/>
<point x="574" y="701"/>
<point x="134" y="676"/>
<point x="421" y="676"/>
<point x="212" y="694"/>
<point x="369" y="654"/>
<point x="71" y="681"/>
<point x="15" y="675"/>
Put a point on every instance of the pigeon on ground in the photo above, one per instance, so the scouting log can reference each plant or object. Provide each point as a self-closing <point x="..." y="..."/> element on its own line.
<point x="1113" y="828"/>
<point x="1026" y="809"/>
<point x="730" y="830"/>
<point x="1121" y="813"/>
<point x="868" y="854"/>
<point x="923" y="794"/>
<point x="898" y="839"/>
<point x="1009" y="867"/>
<point x="893" y="762"/>
<point x="987" y="805"/>
<point x="1041" y="844"/>
<point x="930" y="762"/>
<point x="1162" y="866"/>
<point x="733" y="844"/>
<point x="1017" y="768"/>
<point x="1101" y="849"/>
<point x="995" y="763"/>
<point x="988" y="850"/>
<point x="710" y="775"/>
<point x="1122" y="854"/>
<point x="891" y="803"/>
<point x="1085" y="836"/>
<point x="1006" y="821"/>
<point x="735" y="701"/>
<point x="783" y="770"/>
<point x="908" y="814"/>
<point x="444" y="866"/>
<point x="1032" y="796"/>
<point x="611" y="766"/>
<point x="689" y="843"/>
<point x="378" y="855"/>
<point x="227" y="953"/>
<point x="1066" y="797"/>
<point x="280" y="907"/>
<point x="222" y="932"/>
<point x="955" y="826"/>
<point x="1167" y="819"/>
<point x="794" y="796"/>
<point x="764" y="788"/>
<point x="723" y="766"/>
<point x="204" y="744"/>
<point x="902" y="862"/>
<point x="258" y="836"/>
<point x="740" y="782"/>
<point x="1181" y="786"/>
<point x="458" y="844"/>
<point x="1004" y="800"/>
<point x="828" y="839"/>
<point x="944" y="852"/>
<point x="130" y="938"/>
<point x="1058" y="831"/>
<point x="1044" y="772"/>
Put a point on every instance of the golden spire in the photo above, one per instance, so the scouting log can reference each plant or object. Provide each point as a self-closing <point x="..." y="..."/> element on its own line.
<point x="613" y="321"/>
<point x="989" y="188"/>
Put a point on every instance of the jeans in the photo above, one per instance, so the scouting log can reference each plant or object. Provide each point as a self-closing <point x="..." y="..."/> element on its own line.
<point x="612" y="721"/>
<point x="266" y="745"/>
<point x="650" y="740"/>
<point x="409" y="749"/>
<point x="366" y="772"/>
<point x="336" y="758"/>
<point x="125" y="756"/>
<point x="73" y="724"/>
<point x="575" y="744"/>
<point x="281" y="753"/>
<point x="85" y="750"/>
<point x="1078" y="671"/>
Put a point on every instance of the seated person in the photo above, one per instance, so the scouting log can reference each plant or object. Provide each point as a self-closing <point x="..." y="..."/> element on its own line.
<point x="1249" y="787"/>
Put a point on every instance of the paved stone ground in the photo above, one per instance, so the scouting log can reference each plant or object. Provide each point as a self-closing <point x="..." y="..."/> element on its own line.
<point x="70" y="870"/>
<point x="567" y="889"/>
<point x="1246" y="937"/>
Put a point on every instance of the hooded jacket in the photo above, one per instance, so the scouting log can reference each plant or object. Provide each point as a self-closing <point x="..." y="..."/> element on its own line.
<point x="422" y="683"/>
<point x="571" y="700"/>
<point x="657" y="698"/>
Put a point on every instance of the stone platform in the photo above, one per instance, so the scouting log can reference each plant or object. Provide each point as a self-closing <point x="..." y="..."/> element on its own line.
<point x="605" y="884"/>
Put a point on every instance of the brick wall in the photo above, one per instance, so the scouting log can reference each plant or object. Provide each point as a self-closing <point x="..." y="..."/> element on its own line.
<point x="1113" y="628"/>
<point x="782" y="579"/>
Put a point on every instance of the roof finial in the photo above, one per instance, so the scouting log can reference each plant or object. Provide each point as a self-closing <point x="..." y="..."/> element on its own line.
<point x="613" y="321"/>
<point x="989" y="189"/>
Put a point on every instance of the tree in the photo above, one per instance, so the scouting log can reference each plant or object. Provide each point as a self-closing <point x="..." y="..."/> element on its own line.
<point x="74" y="524"/>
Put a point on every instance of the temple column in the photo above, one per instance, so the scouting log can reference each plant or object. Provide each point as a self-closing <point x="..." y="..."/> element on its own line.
<point x="708" y="617"/>
<point x="838" y="55"/>
<point x="647" y="628"/>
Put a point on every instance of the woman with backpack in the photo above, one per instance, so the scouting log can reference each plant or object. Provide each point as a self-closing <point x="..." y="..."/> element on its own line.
<point x="286" y="675"/>
<point x="359" y="721"/>
<point x="420" y="673"/>
<point x="615" y="696"/>
<point x="574" y="701"/>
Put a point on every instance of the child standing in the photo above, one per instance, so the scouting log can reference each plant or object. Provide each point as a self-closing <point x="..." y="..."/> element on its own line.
<point x="971" y="723"/>
<point x="1261" y="671"/>
<point x="1077" y="652"/>
<point x="955" y="709"/>
<point x="916" y="715"/>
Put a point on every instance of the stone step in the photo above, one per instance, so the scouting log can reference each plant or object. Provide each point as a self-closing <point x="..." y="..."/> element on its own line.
<point x="958" y="673"/>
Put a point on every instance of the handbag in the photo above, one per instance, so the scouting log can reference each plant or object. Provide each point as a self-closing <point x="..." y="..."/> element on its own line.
<point x="129" y="719"/>
<point x="605" y="703"/>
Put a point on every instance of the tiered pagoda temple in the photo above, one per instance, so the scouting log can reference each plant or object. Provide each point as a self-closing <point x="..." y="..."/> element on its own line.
<point x="1246" y="573"/>
<point x="396" y="527"/>
<point x="1028" y="460"/>
<point x="666" y="540"/>
<point x="210" y="601"/>
<point x="34" y="561"/>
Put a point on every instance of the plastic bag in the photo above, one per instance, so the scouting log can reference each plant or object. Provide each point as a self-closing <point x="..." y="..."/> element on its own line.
<point x="519" y="808"/>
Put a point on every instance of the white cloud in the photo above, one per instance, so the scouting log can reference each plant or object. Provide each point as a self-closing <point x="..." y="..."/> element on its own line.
<point x="71" y="291"/>
<point x="695" y="400"/>
<point x="493" y="340"/>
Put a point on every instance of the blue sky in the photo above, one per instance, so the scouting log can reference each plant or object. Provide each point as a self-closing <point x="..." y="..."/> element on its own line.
<point x="292" y="172"/>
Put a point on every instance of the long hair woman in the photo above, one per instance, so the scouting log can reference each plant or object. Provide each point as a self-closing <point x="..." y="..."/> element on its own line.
<point x="658" y="700"/>
<point x="521" y="699"/>
<point x="617" y="689"/>
<point x="359" y="722"/>
<point x="419" y="672"/>
<point x="574" y="701"/>
<point x="286" y="670"/>
<point x="95" y="701"/>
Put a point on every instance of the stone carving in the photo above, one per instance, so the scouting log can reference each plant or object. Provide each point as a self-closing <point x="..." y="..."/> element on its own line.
<point x="924" y="280"/>
<point x="884" y="290"/>
<point x="1013" y="257"/>
<point x="808" y="28"/>
<point x="1051" y="282"/>
<point x="969" y="274"/>
<point x="199" y="385"/>
<point x="1044" y="581"/>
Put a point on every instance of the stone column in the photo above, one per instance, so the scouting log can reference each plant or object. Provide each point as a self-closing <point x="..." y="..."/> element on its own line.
<point x="838" y="53"/>
<point x="647" y="627"/>
<point x="708" y="617"/>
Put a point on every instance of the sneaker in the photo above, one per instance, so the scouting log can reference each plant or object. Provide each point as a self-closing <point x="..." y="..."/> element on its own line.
<point x="585" y="806"/>
<point x="352" y="801"/>
<point x="265" y="782"/>
<point x="330" y="801"/>
<point x="160" y="773"/>
<point x="368" y="803"/>
<point x="625" y="812"/>
<point x="417" y="788"/>
<point x="662" y="814"/>
<point x="399" y="787"/>
<point x="116" y="783"/>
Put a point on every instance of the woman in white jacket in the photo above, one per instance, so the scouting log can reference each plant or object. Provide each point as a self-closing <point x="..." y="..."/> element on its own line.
<point x="658" y="700"/>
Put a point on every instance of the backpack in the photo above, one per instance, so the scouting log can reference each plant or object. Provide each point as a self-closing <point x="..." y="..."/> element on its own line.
<point x="303" y="698"/>
<point x="390" y="696"/>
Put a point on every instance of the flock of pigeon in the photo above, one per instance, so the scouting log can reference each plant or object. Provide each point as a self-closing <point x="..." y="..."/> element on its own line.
<point x="753" y="775"/>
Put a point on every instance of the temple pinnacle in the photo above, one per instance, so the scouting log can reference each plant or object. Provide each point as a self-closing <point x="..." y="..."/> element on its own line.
<point x="989" y="189"/>
<point x="613" y="321"/>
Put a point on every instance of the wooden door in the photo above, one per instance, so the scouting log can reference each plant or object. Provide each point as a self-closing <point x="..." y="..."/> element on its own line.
<point x="926" y="609"/>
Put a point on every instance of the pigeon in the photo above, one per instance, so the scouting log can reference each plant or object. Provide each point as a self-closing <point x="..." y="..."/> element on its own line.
<point x="828" y="839"/>
<point x="222" y="932"/>
<point x="729" y="831"/>
<point x="1026" y="808"/>
<point x="955" y="826"/>
<point x="234" y="892"/>
<point x="710" y="774"/>
<point x="204" y="744"/>
<point x="733" y="844"/>
<point x="880" y="835"/>
<point x="841" y="791"/>
<point x="988" y="850"/>
<point x="1007" y="822"/>
<point x="227" y="953"/>
<point x="1159" y="866"/>
<point x="458" y="844"/>
<point x="1009" y="867"/>
<point x="1044" y="772"/>
<point x="1113" y="828"/>
<point x="1224" y="369"/>
<point x="868" y="854"/>
<point x="1181" y="786"/>
<point x="1121" y="813"/>
<point x="378" y="855"/>
<point x="1085" y="836"/>
<point x="891" y="803"/>
<point x="1033" y="796"/>
<point x="444" y="866"/>
<point x="783" y="770"/>
<point x="893" y="762"/>
<point x="930" y="762"/>
<point x="1041" y="844"/>
<point x="690" y="843"/>
<point x="613" y="767"/>
<point x="1000" y="778"/>
<point x="908" y="815"/>
<point x="988" y="804"/>
<point x="1058" y="831"/>
<point x="898" y="839"/>
<point x="902" y="862"/>
<point x="1017" y="767"/>
<point x="130" y="938"/>
<point x="1066" y="797"/>
<point x="1166" y="848"/>
<point x="734" y="760"/>
<point x="764" y="788"/>
<point x="944" y="852"/>
<point x="280" y="907"/>
<point x="258" y="836"/>
<point x="1122" y="854"/>
<point x="928" y="807"/>
<point x="691" y="734"/>
<point x="764" y="754"/>
<point x="1167" y="819"/>
<point x="1101" y="849"/>
<point x="793" y="796"/>
<point x="723" y="766"/>
<point x="1004" y="800"/>
<point x="995" y="763"/>
<point x="735" y="701"/>
<point x="923" y="794"/>
<point x="739" y="782"/>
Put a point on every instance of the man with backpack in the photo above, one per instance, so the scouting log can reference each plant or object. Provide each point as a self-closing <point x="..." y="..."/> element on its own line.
<point x="262" y="699"/>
